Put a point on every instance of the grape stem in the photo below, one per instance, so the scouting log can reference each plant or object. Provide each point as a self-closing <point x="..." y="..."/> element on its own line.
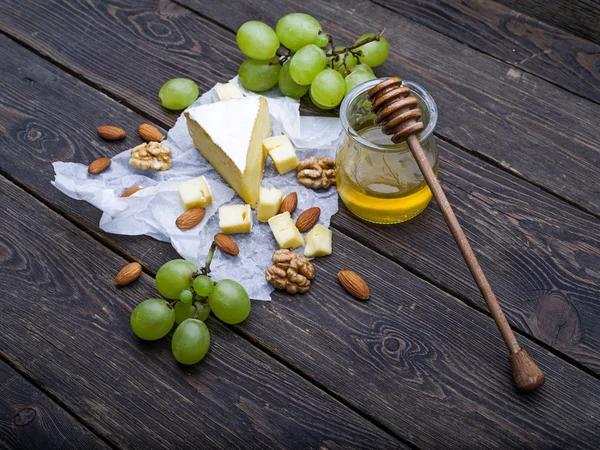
<point x="209" y="257"/>
<point x="335" y="54"/>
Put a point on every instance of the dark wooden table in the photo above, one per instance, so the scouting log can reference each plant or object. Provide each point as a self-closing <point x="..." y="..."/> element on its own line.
<point x="419" y="365"/>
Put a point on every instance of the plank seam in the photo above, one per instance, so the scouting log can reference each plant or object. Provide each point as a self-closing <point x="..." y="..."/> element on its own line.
<point x="151" y="273"/>
<point x="55" y="400"/>
<point x="87" y="81"/>
<point x="516" y="174"/>
<point x="516" y="66"/>
<point x="460" y="297"/>
<point x="167" y="126"/>
<point x="465" y="300"/>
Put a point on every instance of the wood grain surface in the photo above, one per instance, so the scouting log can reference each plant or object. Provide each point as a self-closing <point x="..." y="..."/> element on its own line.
<point x="29" y="420"/>
<point x="411" y="345"/>
<point x="581" y="17"/>
<point x="519" y="121"/>
<point x="518" y="39"/>
<point x="530" y="261"/>
<point x="73" y="337"/>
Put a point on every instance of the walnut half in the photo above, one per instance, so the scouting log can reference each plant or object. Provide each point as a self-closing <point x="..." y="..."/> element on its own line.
<point x="316" y="173"/>
<point x="151" y="155"/>
<point x="291" y="272"/>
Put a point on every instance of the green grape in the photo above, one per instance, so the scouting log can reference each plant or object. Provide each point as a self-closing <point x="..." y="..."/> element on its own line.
<point x="307" y="63"/>
<point x="297" y="30"/>
<point x="186" y="296"/>
<point x="321" y="41"/>
<point x="229" y="302"/>
<point x="288" y="86"/>
<point x="351" y="61"/>
<point x="190" y="341"/>
<point x="174" y="277"/>
<point x="203" y="310"/>
<point x="203" y="285"/>
<point x="373" y="53"/>
<point x="184" y="311"/>
<point x="316" y="103"/>
<point x="359" y="75"/>
<point x="328" y="88"/>
<point x="178" y="93"/>
<point x="257" y="40"/>
<point x="152" y="319"/>
<point x="258" y="75"/>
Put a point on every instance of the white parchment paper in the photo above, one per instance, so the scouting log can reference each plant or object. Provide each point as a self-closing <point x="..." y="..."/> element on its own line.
<point x="153" y="210"/>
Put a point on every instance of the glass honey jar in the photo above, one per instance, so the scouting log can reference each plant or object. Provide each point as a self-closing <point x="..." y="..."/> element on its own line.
<point x="377" y="180"/>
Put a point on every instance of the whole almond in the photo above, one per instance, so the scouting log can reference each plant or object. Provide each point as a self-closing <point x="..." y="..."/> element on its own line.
<point x="226" y="244"/>
<point x="190" y="218"/>
<point x="308" y="218"/>
<point x="150" y="133"/>
<point x="354" y="284"/>
<point x="289" y="204"/>
<point x="99" y="165"/>
<point x="111" y="133"/>
<point x="132" y="190"/>
<point x="128" y="274"/>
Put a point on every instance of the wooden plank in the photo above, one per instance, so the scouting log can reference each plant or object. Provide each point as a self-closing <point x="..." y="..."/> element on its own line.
<point x="541" y="257"/>
<point x="521" y="122"/>
<point x="520" y="40"/>
<point x="549" y="230"/>
<point x="530" y="127"/>
<point x="413" y="358"/>
<point x="72" y="336"/>
<point x="580" y="17"/>
<point x="30" y="420"/>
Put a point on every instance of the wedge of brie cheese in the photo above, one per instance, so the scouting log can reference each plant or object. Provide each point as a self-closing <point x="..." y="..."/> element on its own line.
<point x="229" y="135"/>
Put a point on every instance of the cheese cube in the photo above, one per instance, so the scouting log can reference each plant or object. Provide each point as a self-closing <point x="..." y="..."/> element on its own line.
<point x="228" y="91"/>
<point x="285" y="231"/>
<point x="234" y="219"/>
<point x="282" y="153"/>
<point x="269" y="201"/>
<point x="318" y="242"/>
<point x="195" y="193"/>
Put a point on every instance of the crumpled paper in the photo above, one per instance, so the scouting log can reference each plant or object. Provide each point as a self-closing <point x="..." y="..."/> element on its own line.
<point x="154" y="210"/>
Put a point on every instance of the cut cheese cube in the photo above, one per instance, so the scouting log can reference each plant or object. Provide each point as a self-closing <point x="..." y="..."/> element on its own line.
<point x="282" y="152"/>
<point x="195" y="193"/>
<point x="228" y="91"/>
<point x="285" y="231"/>
<point x="235" y="219"/>
<point x="318" y="242"/>
<point x="269" y="201"/>
<point x="229" y="135"/>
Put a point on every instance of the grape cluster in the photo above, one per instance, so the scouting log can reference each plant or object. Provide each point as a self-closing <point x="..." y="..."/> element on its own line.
<point x="309" y="62"/>
<point x="194" y="295"/>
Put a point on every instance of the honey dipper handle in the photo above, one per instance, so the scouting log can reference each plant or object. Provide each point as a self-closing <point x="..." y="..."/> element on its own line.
<point x="526" y="373"/>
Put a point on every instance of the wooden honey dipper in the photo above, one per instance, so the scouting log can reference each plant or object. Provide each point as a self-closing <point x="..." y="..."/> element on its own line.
<point x="399" y="115"/>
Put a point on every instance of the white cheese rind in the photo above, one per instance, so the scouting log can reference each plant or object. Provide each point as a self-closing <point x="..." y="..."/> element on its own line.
<point x="229" y="135"/>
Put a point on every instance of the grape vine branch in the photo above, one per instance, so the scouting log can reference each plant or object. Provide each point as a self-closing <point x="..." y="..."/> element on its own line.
<point x="284" y="53"/>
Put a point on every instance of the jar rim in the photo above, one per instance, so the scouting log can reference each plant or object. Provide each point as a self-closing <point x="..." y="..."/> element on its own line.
<point x="415" y="88"/>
